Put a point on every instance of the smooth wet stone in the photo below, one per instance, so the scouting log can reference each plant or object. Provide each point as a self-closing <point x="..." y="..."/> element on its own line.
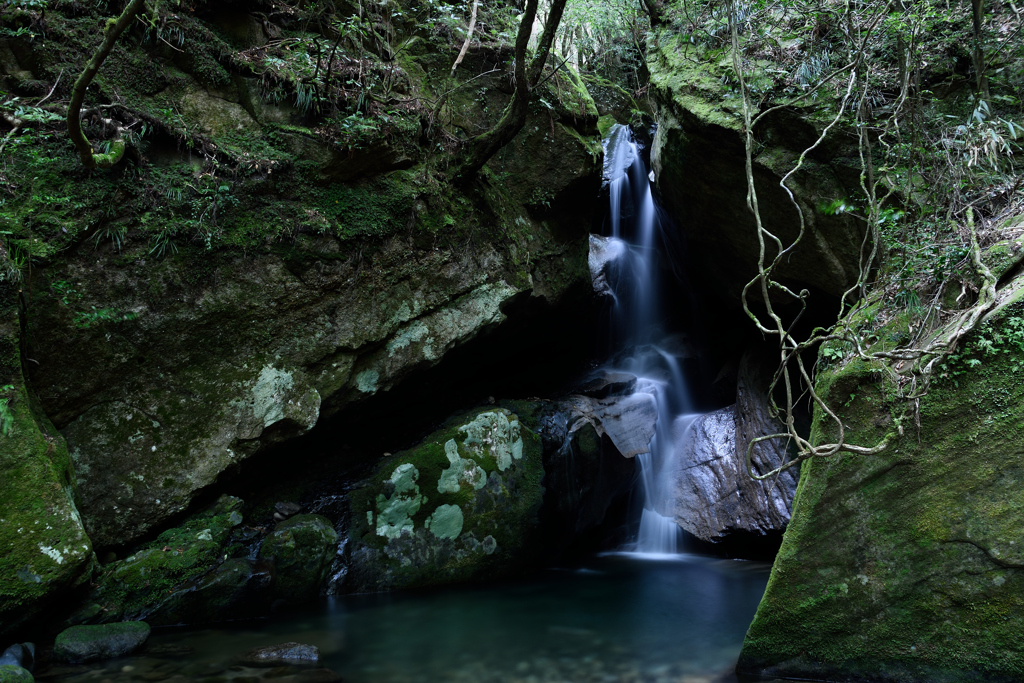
<point x="603" y="252"/>
<point x="284" y="509"/>
<point x="10" y="673"/>
<point x="19" y="654"/>
<point x="80" y="644"/>
<point x="285" y="653"/>
<point x="629" y="421"/>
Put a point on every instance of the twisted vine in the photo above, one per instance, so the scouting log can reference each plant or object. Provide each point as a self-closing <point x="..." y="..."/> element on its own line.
<point x="921" y="356"/>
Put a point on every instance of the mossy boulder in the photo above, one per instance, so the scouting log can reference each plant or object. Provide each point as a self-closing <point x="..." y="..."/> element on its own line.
<point x="15" y="674"/>
<point x="81" y="644"/>
<point x="177" y="578"/>
<point x="462" y="505"/>
<point x="46" y="551"/>
<point x="909" y="564"/>
<point x="301" y="549"/>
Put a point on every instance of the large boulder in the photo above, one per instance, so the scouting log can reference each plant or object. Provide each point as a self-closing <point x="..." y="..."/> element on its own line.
<point x="714" y="496"/>
<point x="46" y="551"/>
<point x="81" y="644"/>
<point x="907" y="565"/>
<point x="461" y="505"/>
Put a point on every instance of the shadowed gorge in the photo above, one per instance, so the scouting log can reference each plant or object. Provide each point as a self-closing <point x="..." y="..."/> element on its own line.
<point x="641" y="341"/>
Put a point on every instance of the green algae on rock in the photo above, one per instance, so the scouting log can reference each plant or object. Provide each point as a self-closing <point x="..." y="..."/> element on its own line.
<point x="82" y="644"/>
<point x="909" y="564"/>
<point x="15" y="674"/>
<point x="461" y="505"/>
<point x="301" y="549"/>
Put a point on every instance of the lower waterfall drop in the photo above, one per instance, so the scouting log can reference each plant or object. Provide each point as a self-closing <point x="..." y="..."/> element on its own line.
<point x="641" y="345"/>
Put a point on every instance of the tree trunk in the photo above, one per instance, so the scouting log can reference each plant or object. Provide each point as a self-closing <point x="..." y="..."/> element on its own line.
<point x="111" y="33"/>
<point x="486" y="145"/>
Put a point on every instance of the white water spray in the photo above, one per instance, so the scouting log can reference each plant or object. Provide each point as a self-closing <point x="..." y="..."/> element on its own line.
<point x="648" y="351"/>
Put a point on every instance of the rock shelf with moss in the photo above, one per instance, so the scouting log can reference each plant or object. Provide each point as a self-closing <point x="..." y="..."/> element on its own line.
<point x="245" y="272"/>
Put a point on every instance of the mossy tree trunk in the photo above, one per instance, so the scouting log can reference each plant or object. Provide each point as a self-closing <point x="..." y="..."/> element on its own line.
<point x="111" y="33"/>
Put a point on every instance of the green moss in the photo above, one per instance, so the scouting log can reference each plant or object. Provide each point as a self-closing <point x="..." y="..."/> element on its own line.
<point x="132" y="588"/>
<point x="905" y="565"/>
<point x="302" y="549"/>
<point x="45" y="548"/>
<point x="14" y="674"/>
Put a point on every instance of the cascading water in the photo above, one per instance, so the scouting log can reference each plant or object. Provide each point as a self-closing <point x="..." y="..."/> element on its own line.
<point x="642" y="345"/>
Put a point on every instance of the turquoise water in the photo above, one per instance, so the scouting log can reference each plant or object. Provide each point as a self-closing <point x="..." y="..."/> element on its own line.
<point x="618" y="618"/>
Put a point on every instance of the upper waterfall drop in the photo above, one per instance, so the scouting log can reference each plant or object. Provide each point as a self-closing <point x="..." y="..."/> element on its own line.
<point x="643" y="342"/>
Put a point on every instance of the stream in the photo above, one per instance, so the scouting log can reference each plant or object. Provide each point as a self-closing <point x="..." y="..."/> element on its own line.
<point x="618" y="617"/>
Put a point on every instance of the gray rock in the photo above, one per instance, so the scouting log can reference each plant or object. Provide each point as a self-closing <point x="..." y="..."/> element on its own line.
<point x="10" y="673"/>
<point x="629" y="421"/>
<point x="19" y="654"/>
<point x="284" y="510"/>
<point x="285" y="653"/>
<point x="80" y="644"/>
<point x="603" y="252"/>
<point x="713" y="494"/>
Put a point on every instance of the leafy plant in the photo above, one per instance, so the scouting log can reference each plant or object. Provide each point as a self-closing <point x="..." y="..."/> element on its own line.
<point x="6" y="415"/>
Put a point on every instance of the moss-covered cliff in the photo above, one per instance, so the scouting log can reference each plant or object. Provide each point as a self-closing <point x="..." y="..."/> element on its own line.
<point x="907" y="565"/>
<point x="258" y="262"/>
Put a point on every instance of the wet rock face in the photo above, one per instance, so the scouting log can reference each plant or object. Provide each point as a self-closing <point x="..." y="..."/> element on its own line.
<point x="715" y="496"/>
<point x="462" y="505"/>
<point x="81" y="644"/>
<point x="699" y="160"/>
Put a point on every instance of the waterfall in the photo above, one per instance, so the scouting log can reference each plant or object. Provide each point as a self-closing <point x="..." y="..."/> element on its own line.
<point x="641" y="343"/>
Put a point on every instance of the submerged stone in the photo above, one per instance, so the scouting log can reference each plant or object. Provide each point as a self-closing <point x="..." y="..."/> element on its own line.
<point x="81" y="644"/>
<point x="285" y="653"/>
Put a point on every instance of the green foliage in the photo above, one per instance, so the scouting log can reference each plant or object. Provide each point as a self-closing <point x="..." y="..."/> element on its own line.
<point x="1004" y="341"/>
<point x="607" y="38"/>
<point x="6" y="416"/>
<point x="86" y="319"/>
